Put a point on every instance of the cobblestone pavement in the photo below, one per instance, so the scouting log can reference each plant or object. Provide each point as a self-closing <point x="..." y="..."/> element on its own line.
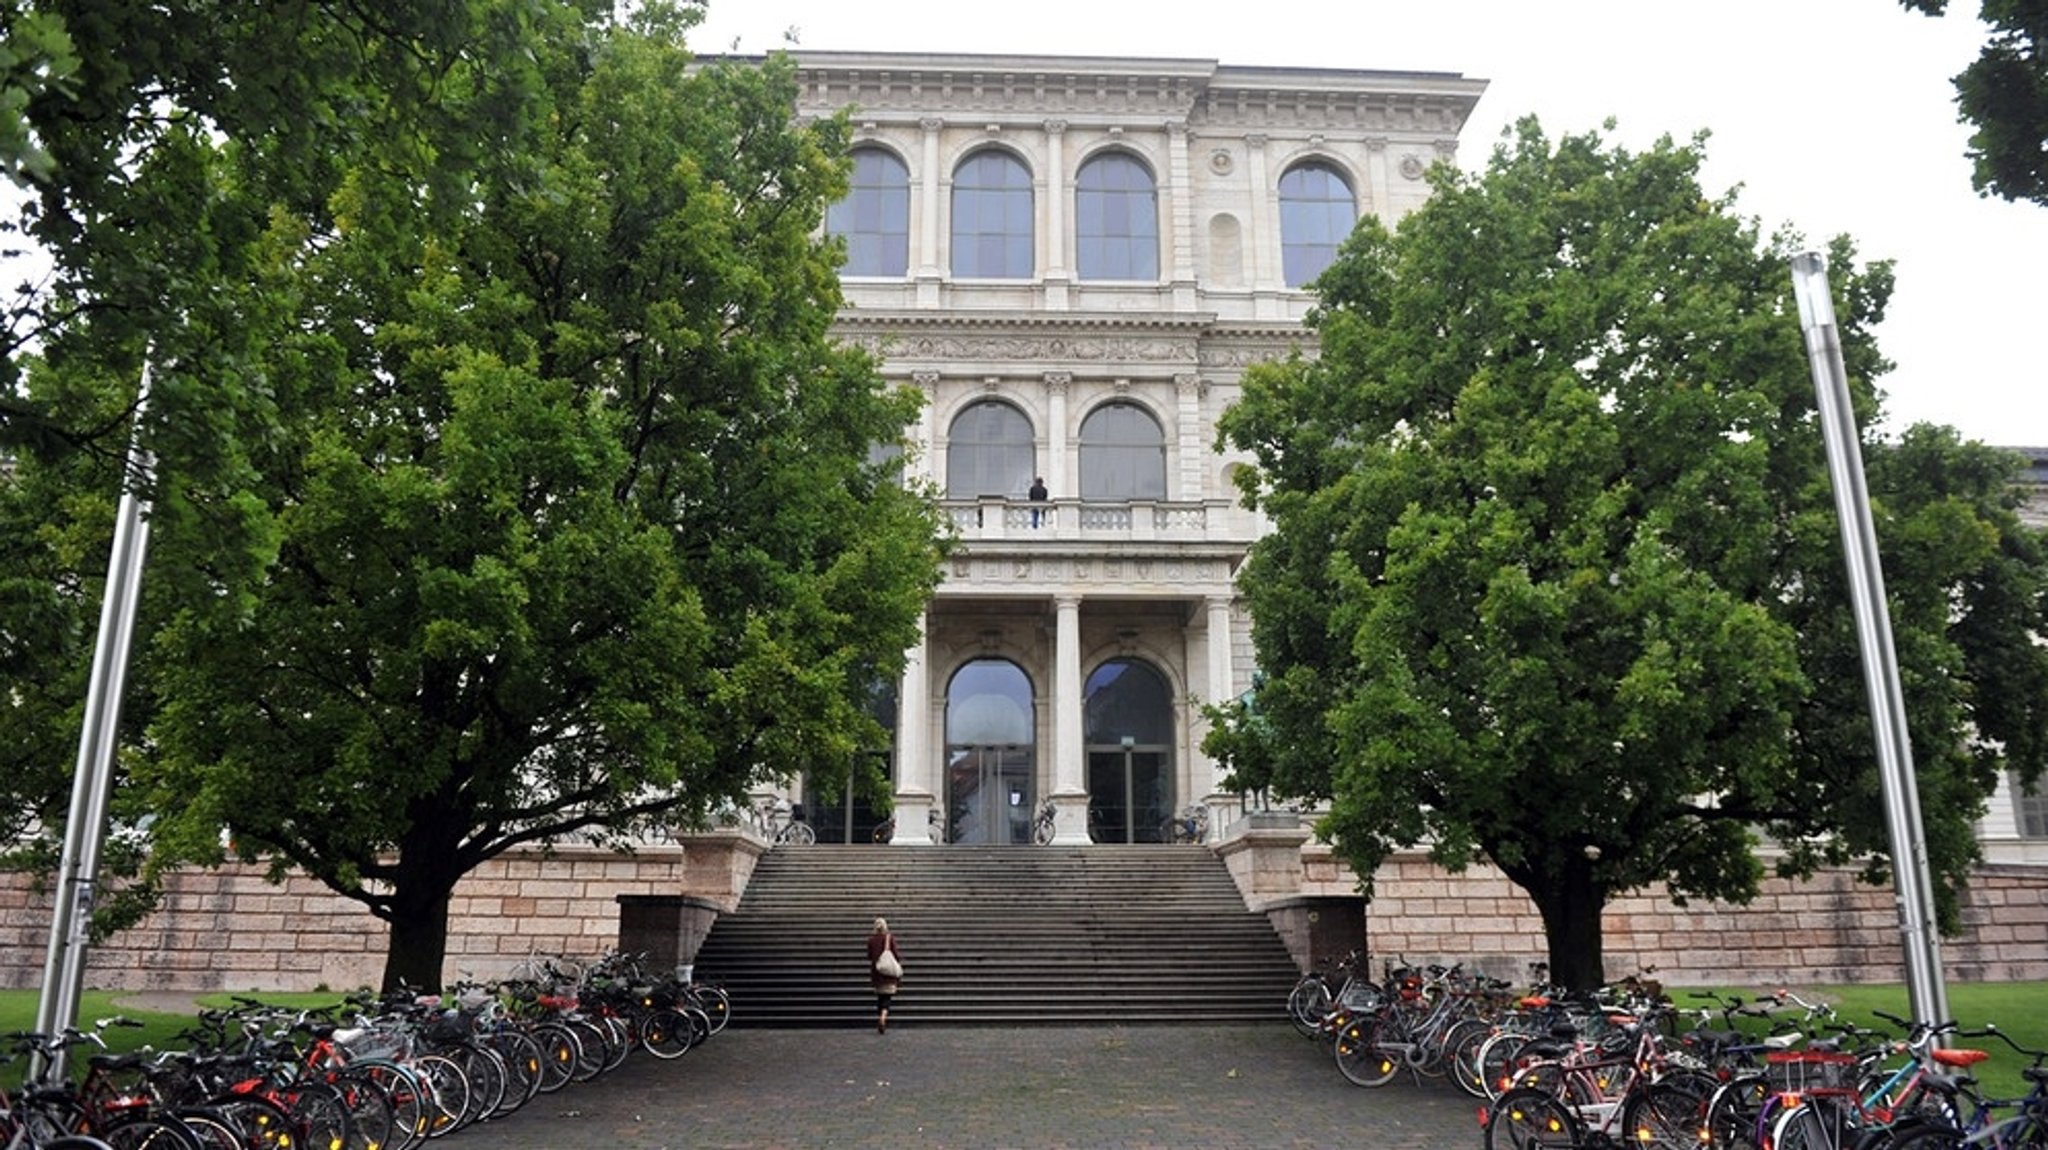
<point x="1121" y="1088"/>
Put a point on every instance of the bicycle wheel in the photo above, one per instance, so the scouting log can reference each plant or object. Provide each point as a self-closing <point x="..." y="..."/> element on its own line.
<point x="321" y="1111"/>
<point x="1730" y="1121"/>
<point x="715" y="1003"/>
<point x="1497" y="1061"/>
<point x="1308" y="1004"/>
<point x="666" y="1034"/>
<point x="800" y="834"/>
<point x="447" y="1094"/>
<point x="523" y="1059"/>
<point x="1929" y="1135"/>
<point x="618" y="1040"/>
<point x="1812" y="1125"/>
<point x="405" y="1093"/>
<point x="561" y="1052"/>
<point x="215" y="1130"/>
<point x="1359" y="1057"/>
<point x="265" y="1125"/>
<point x="1461" y="1055"/>
<point x="485" y="1070"/>
<point x="143" y="1132"/>
<point x="1531" y="1120"/>
<point x="1667" y="1114"/>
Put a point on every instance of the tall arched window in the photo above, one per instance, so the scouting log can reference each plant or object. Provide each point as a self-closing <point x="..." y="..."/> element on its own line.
<point x="1317" y="210"/>
<point x="1128" y="727"/>
<point x="1123" y="454"/>
<point x="988" y="452"/>
<point x="992" y="217"/>
<point x="1116" y="220"/>
<point x="875" y="216"/>
<point x="991" y="744"/>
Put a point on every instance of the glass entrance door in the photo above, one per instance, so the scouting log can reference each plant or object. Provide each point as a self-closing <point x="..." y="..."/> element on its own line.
<point x="1130" y="794"/>
<point x="989" y="795"/>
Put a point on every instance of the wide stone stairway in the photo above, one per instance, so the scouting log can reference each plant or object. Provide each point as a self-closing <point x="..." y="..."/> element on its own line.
<point x="1091" y="934"/>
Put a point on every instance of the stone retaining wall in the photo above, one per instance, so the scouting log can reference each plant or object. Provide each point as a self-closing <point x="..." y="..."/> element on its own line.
<point x="230" y="930"/>
<point x="1829" y="930"/>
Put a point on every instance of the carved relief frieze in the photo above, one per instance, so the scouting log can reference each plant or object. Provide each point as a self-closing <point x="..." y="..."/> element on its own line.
<point x="1064" y="348"/>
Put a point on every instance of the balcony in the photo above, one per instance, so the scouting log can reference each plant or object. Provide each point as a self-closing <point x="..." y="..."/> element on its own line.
<point x="1070" y="523"/>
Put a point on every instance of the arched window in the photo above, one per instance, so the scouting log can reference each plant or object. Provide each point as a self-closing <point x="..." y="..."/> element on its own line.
<point x="992" y="217"/>
<point x="1123" y="454"/>
<point x="988" y="452"/>
<point x="1116" y="220"/>
<point x="874" y="217"/>
<point x="1317" y="210"/>
<point x="990" y="754"/>
<point x="1128" y="727"/>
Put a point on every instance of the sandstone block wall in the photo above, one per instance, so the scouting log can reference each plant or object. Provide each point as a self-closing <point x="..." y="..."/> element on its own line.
<point x="1829" y="930"/>
<point x="230" y="930"/>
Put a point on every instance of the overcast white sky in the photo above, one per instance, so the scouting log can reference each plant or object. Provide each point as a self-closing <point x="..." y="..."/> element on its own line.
<point x="1832" y="115"/>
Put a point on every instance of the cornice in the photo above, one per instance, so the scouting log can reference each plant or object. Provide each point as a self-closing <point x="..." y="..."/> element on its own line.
<point x="977" y="90"/>
<point x="1146" y="342"/>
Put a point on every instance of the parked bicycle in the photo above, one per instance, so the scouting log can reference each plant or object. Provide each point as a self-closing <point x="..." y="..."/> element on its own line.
<point x="1191" y="825"/>
<point x="782" y="822"/>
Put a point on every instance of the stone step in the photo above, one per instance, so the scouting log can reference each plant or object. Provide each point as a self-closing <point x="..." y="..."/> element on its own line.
<point x="1006" y="935"/>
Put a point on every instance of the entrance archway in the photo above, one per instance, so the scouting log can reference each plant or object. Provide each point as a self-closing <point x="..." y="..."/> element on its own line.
<point x="991" y="754"/>
<point x="1129" y="735"/>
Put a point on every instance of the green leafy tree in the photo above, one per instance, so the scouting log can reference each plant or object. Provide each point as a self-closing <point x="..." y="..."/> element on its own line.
<point x="1555" y="579"/>
<point x="509" y="490"/>
<point x="2004" y="95"/>
<point x="147" y="146"/>
<point x="576" y="525"/>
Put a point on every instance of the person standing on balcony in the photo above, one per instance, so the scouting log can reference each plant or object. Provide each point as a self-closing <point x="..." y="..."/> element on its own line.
<point x="1037" y="495"/>
<point x="884" y="977"/>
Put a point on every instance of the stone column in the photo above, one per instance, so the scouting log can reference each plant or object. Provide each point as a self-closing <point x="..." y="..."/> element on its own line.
<point x="1064" y="486"/>
<point x="1194" y="459"/>
<point x="916" y="796"/>
<point x="1070" y="792"/>
<point x="1177" y="214"/>
<point x="1264" y="224"/>
<point x="928" y="449"/>
<point x="1379" y="184"/>
<point x="929" y="264"/>
<point x="1221" y="687"/>
<point x="1055" y="214"/>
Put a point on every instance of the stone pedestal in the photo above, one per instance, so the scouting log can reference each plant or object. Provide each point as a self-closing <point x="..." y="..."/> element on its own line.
<point x="666" y="929"/>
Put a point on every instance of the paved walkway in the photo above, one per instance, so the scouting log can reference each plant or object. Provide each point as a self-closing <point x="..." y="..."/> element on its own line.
<point x="1121" y="1088"/>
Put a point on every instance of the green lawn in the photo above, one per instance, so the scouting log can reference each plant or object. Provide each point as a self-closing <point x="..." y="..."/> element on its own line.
<point x="158" y="1031"/>
<point x="2019" y="1009"/>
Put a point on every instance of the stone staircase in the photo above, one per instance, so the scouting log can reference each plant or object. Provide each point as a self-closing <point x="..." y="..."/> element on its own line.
<point x="1014" y="935"/>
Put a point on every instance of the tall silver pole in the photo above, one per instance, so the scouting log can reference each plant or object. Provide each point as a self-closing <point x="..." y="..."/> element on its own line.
<point x="86" y="828"/>
<point x="1917" y="922"/>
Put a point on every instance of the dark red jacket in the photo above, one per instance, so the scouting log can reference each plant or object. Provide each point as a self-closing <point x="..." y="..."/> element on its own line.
<point x="876" y="943"/>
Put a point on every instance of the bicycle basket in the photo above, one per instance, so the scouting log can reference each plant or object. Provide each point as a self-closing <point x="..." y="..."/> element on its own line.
<point x="1805" y="1071"/>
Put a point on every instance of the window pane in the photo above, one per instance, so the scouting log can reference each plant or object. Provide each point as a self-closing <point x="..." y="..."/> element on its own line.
<point x="1123" y="454"/>
<point x="1127" y="699"/>
<point x="1317" y="212"/>
<point x="1116" y="220"/>
<point x="988" y="452"/>
<point x="875" y="216"/>
<point x="992" y="218"/>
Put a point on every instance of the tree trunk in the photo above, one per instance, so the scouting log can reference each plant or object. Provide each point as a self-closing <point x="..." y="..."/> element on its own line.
<point x="1570" y="905"/>
<point x="419" y="943"/>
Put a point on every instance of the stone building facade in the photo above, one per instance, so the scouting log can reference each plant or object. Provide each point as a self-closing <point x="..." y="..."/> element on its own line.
<point x="1075" y="260"/>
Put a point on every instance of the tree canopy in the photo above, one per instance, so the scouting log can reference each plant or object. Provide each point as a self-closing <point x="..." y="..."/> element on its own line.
<point x="2004" y="95"/>
<point x="1554" y="580"/>
<point x="513" y="491"/>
